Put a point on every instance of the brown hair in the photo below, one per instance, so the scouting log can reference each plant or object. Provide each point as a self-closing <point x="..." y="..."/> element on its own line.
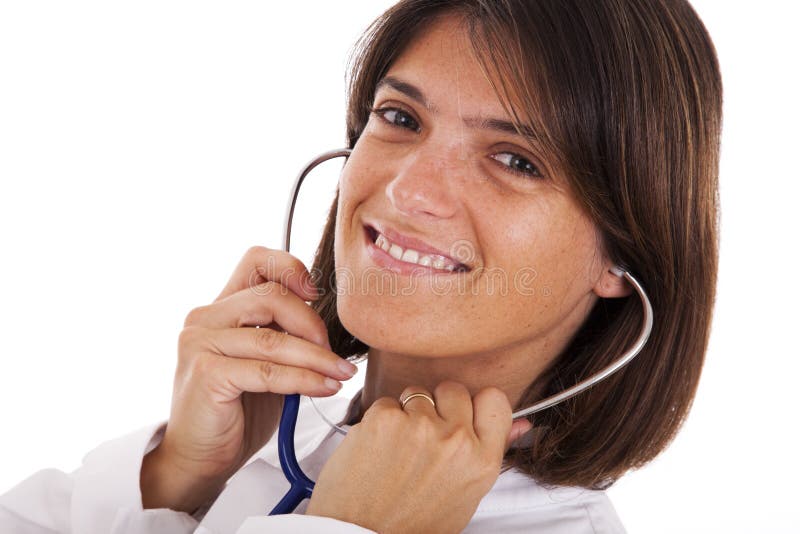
<point x="625" y="96"/>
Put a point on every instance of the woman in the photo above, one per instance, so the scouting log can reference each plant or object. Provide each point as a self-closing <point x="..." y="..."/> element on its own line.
<point x="531" y="144"/>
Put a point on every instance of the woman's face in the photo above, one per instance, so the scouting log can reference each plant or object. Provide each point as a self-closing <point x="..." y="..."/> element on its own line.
<point x="440" y="168"/>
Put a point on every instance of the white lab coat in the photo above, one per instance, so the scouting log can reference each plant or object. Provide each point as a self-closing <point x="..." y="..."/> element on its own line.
<point x="103" y="495"/>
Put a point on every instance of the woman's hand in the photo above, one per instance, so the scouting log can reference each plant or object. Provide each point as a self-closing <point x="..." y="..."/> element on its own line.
<point x="230" y="380"/>
<point x="422" y="468"/>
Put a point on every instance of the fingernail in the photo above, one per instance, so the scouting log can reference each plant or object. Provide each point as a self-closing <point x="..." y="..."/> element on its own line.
<point x="348" y="368"/>
<point x="332" y="384"/>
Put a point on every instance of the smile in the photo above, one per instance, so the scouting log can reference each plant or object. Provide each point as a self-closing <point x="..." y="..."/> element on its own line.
<point x="406" y="260"/>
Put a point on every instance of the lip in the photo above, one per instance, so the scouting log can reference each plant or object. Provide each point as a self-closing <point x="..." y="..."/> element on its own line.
<point x="410" y="242"/>
<point x="384" y="259"/>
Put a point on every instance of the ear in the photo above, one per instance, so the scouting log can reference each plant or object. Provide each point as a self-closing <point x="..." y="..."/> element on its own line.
<point x="612" y="284"/>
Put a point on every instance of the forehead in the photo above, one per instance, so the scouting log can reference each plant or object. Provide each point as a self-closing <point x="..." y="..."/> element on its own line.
<point x="441" y="62"/>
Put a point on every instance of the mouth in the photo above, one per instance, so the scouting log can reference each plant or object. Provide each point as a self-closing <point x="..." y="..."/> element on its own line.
<point x="400" y="253"/>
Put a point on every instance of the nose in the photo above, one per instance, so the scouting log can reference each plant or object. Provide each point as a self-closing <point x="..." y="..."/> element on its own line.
<point x="426" y="184"/>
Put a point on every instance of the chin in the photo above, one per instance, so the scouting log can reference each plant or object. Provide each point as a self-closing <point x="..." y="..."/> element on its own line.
<point x="369" y="319"/>
<point x="380" y="323"/>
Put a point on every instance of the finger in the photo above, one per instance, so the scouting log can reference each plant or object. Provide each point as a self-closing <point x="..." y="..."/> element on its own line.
<point x="492" y="418"/>
<point x="518" y="428"/>
<point x="233" y="377"/>
<point x="261" y="264"/>
<point x="262" y="305"/>
<point x="417" y="404"/>
<point x="383" y="404"/>
<point x="285" y="349"/>
<point x="454" y="403"/>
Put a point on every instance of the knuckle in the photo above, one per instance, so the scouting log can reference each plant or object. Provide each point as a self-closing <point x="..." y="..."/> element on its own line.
<point x="256" y="251"/>
<point x="259" y="260"/>
<point x="188" y="336"/>
<point x="195" y="316"/>
<point x="264" y="288"/>
<point x="374" y="412"/>
<point x="382" y="415"/>
<point x="189" y="348"/>
<point x="269" y="371"/>
<point x="203" y="367"/>
<point x="390" y="419"/>
<point x="424" y="430"/>
<point x="265" y="259"/>
<point x="383" y="405"/>
<point x="459" y="441"/>
<point x="460" y="436"/>
<point x="268" y="340"/>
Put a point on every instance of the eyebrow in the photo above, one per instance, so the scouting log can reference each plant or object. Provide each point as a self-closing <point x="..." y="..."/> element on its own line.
<point x="415" y="93"/>
<point x="502" y="126"/>
<point x="411" y="91"/>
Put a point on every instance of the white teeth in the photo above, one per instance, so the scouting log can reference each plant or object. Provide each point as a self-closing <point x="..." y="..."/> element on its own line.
<point x="396" y="252"/>
<point x="413" y="256"/>
<point x="410" y="255"/>
<point x="382" y="243"/>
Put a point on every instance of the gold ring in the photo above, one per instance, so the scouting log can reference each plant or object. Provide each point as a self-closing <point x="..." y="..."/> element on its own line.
<point x="423" y="395"/>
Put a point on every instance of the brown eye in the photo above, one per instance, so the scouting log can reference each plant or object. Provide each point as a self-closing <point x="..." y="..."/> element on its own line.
<point x="397" y="117"/>
<point x="517" y="164"/>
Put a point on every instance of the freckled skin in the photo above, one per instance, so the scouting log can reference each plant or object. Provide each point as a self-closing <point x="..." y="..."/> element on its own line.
<point x="441" y="184"/>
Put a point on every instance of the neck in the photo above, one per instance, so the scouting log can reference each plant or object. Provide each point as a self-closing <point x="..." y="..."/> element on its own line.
<point x="511" y="368"/>
<point x="512" y="371"/>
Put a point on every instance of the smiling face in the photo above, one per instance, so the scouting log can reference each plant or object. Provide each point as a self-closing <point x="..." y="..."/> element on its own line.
<point x="453" y="237"/>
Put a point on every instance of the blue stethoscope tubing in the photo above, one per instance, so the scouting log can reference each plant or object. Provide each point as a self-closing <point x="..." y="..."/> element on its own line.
<point x="302" y="486"/>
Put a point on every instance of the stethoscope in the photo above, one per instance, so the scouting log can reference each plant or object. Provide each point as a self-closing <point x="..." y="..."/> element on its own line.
<point x="301" y="485"/>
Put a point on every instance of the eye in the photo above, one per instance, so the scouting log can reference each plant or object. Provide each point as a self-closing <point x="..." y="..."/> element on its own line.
<point x="517" y="164"/>
<point x="397" y="117"/>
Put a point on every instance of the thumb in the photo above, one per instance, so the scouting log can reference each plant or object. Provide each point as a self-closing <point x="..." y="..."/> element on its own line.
<point x="518" y="428"/>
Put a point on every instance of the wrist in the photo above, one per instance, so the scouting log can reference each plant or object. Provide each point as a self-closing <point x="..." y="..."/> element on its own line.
<point x="164" y="484"/>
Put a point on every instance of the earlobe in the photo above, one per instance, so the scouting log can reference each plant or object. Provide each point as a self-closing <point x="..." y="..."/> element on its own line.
<point x="612" y="284"/>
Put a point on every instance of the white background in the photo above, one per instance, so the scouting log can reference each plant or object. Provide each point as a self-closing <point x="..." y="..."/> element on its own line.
<point x="144" y="146"/>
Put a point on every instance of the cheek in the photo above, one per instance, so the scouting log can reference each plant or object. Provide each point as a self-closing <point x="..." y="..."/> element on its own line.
<point x="573" y="259"/>
<point x="353" y="188"/>
<point x="360" y="180"/>
<point x="548" y="240"/>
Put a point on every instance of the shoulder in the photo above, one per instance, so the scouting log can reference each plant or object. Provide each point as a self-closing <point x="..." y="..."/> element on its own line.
<point x="517" y="503"/>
